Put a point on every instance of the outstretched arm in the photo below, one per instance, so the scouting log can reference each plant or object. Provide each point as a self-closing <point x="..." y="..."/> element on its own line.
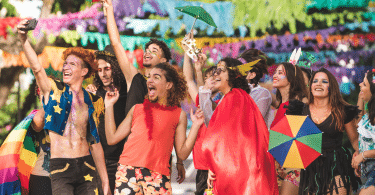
<point x="188" y="73"/>
<point x="38" y="70"/>
<point x="126" y="67"/>
<point x="182" y="144"/>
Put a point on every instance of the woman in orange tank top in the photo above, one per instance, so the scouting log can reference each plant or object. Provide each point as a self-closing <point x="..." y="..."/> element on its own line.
<point x="153" y="128"/>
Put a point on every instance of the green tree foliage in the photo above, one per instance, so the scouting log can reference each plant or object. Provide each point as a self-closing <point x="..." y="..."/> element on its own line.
<point x="11" y="10"/>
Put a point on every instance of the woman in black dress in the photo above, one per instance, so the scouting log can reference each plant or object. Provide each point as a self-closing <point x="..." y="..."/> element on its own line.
<point x="331" y="173"/>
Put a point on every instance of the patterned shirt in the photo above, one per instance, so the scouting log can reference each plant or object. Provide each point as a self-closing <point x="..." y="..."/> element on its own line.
<point x="59" y="106"/>
<point x="366" y="139"/>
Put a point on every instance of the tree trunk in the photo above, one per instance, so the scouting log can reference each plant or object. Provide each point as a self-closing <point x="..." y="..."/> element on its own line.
<point x="46" y="8"/>
<point x="8" y="77"/>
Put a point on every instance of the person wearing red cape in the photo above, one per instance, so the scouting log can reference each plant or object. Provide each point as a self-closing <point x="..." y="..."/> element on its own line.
<point x="236" y="142"/>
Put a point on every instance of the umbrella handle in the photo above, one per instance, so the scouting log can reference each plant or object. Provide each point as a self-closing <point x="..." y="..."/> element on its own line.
<point x="193" y="25"/>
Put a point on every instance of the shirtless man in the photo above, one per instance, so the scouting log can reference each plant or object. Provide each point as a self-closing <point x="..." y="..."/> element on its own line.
<point x="71" y="117"/>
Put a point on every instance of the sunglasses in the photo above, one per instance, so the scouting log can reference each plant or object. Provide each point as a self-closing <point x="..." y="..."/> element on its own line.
<point x="218" y="71"/>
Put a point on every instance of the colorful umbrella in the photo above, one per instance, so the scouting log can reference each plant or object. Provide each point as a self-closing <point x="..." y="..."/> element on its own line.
<point x="295" y="141"/>
<point x="198" y="13"/>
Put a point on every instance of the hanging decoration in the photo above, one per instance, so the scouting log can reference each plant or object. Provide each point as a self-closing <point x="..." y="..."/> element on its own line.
<point x="128" y="42"/>
<point x="52" y="56"/>
<point x="7" y="22"/>
<point x="334" y="4"/>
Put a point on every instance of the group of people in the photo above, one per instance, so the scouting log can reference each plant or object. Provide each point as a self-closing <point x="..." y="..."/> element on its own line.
<point x="117" y="135"/>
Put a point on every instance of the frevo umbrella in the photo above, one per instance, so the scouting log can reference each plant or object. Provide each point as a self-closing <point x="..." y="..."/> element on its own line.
<point x="295" y="141"/>
<point x="198" y="13"/>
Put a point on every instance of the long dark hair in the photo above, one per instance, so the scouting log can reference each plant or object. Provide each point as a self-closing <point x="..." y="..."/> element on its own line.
<point x="236" y="80"/>
<point x="117" y="75"/>
<point x="294" y="76"/>
<point x="371" y="102"/>
<point x="336" y="101"/>
<point x="260" y="68"/>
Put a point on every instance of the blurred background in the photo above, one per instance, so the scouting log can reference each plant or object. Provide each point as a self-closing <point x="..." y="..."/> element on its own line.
<point x="338" y="33"/>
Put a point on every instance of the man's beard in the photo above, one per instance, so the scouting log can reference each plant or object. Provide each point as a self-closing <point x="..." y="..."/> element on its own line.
<point x="147" y="65"/>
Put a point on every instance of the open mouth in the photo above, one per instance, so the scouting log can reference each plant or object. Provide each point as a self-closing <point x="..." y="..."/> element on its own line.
<point x="67" y="74"/>
<point x="147" y="57"/>
<point x="151" y="90"/>
<point x="318" y="89"/>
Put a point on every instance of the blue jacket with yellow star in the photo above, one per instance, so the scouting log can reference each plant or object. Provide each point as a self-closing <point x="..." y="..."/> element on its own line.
<point x="59" y="105"/>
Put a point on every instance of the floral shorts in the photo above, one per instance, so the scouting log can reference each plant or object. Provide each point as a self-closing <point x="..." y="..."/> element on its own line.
<point x="137" y="180"/>
<point x="287" y="174"/>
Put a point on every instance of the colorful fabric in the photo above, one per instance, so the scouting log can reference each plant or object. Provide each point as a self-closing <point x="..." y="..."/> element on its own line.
<point x="17" y="157"/>
<point x="59" y="107"/>
<point x="366" y="133"/>
<point x="235" y="147"/>
<point x="138" y="180"/>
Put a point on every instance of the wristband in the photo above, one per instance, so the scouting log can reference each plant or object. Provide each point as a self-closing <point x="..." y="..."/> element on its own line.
<point x="180" y="164"/>
<point x="363" y="156"/>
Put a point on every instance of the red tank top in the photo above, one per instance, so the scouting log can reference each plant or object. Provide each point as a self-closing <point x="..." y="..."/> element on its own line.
<point x="150" y="142"/>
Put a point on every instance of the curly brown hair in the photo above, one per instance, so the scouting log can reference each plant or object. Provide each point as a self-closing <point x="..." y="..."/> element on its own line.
<point x="117" y="75"/>
<point x="179" y="90"/>
<point x="87" y="57"/>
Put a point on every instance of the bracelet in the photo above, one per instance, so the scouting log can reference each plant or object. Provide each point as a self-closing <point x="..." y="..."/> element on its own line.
<point x="363" y="156"/>
<point x="180" y="164"/>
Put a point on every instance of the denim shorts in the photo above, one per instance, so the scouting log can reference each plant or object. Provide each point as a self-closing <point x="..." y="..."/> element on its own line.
<point x="368" y="174"/>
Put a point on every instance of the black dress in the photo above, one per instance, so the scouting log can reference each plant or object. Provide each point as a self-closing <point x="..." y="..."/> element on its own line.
<point x="319" y="177"/>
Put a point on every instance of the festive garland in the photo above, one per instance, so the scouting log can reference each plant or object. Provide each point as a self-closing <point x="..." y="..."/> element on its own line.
<point x="334" y="4"/>
<point x="52" y="56"/>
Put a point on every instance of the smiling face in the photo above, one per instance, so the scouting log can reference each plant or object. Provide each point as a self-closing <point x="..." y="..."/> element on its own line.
<point x="105" y="72"/>
<point x="320" y="85"/>
<point x="365" y="89"/>
<point x="279" y="78"/>
<point x="158" y="86"/>
<point x="221" y="78"/>
<point x="73" y="70"/>
<point x="152" y="56"/>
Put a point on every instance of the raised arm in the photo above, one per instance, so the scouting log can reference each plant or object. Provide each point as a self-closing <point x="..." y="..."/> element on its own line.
<point x="198" y="68"/>
<point x="112" y="134"/>
<point x="188" y="73"/>
<point x="38" y="70"/>
<point x="182" y="144"/>
<point x="126" y="67"/>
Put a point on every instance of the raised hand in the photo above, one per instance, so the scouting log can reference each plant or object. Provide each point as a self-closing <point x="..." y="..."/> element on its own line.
<point x="22" y="34"/>
<point x="198" y="117"/>
<point x="111" y="98"/>
<point x="106" y="3"/>
<point x="91" y="88"/>
<point x="200" y="62"/>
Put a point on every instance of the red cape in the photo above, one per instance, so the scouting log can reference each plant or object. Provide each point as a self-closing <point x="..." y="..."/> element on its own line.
<point x="236" y="148"/>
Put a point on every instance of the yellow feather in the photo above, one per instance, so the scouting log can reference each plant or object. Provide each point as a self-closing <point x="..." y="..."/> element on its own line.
<point x="245" y="67"/>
